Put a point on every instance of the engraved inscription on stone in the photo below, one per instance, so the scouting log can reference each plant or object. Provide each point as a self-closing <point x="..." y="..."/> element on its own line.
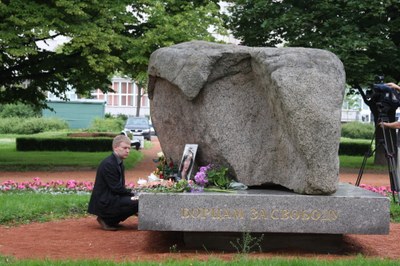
<point x="259" y="214"/>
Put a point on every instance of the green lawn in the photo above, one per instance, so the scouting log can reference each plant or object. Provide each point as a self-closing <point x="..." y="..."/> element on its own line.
<point x="13" y="160"/>
<point x="26" y="207"/>
<point x="354" y="162"/>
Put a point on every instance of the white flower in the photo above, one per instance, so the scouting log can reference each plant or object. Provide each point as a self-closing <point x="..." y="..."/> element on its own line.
<point x="152" y="178"/>
<point x="142" y="181"/>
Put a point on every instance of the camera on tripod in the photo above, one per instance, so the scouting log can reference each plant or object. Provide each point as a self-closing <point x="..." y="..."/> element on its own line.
<point x="385" y="97"/>
<point x="383" y="101"/>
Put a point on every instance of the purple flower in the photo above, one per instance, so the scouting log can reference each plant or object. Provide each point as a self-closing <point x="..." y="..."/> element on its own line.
<point x="196" y="189"/>
<point x="205" y="168"/>
<point x="201" y="178"/>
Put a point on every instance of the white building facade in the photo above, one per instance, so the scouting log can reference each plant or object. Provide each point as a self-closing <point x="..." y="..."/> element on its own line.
<point x="123" y="99"/>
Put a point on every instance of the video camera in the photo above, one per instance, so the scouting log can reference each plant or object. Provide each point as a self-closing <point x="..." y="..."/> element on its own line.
<point x="384" y="96"/>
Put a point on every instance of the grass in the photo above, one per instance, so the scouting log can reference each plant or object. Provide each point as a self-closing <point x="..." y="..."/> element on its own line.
<point x="13" y="160"/>
<point x="354" y="162"/>
<point x="238" y="261"/>
<point x="26" y="207"/>
<point x="395" y="212"/>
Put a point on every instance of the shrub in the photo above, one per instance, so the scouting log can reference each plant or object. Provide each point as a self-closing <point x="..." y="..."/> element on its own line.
<point x="107" y="125"/>
<point x="17" y="125"/>
<point x="64" y="144"/>
<point x="19" y="110"/>
<point x="358" y="130"/>
<point x="353" y="148"/>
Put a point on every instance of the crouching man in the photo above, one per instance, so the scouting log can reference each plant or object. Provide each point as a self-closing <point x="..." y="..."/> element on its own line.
<point x="111" y="201"/>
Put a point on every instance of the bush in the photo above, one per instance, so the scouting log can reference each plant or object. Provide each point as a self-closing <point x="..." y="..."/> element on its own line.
<point x="64" y="144"/>
<point x="353" y="148"/>
<point x="17" y="125"/>
<point x="19" y="110"/>
<point x="358" y="130"/>
<point x="107" y="125"/>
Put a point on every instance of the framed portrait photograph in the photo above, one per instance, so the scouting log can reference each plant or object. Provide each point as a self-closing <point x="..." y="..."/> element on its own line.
<point x="187" y="161"/>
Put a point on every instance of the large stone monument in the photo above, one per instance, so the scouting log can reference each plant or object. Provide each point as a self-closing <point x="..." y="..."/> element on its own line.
<point x="271" y="115"/>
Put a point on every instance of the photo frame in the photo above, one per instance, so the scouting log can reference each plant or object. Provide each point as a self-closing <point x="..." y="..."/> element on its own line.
<point x="187" y="161"/>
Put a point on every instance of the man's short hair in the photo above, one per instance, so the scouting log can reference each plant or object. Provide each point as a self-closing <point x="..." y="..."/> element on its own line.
<point x="119" y="139"/>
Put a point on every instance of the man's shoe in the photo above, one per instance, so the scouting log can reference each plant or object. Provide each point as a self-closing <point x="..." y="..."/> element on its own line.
<point x="105" y="226"/>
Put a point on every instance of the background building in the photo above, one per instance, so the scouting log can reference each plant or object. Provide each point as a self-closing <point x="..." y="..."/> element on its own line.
<point x="123" y="99"/>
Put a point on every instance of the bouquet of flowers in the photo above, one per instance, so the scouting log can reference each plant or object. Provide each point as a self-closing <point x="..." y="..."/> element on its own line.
<point x="166" y="169"/>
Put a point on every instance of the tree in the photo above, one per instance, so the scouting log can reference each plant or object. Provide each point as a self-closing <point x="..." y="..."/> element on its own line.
<point x="104" y="37"/>
<point x="365" y="35"/>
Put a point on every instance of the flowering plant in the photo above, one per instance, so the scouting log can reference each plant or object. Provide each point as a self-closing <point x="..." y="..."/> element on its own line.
<point x="383" y="190"/>
<point x="210" y="176"/>
<point x="53" y="187"/>
<point x="201" y="176"/>
<point x="165" y="169"/>
<point x="219" y="177"/>
<point x="168" y="186"/>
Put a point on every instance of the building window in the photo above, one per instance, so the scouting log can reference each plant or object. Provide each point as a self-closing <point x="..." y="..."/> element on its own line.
<point x="125" y="93"/>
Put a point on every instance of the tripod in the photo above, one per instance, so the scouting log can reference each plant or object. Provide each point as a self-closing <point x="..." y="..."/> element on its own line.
<point x="390" y="154"/>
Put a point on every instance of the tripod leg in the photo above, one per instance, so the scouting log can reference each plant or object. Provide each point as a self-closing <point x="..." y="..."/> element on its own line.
<point x="364" y="162"/>
<point x="368" y="154"/>
<point x="392" y="163"/>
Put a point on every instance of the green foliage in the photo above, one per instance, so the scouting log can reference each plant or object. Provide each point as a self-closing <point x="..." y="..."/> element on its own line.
<point x="174" y="249"/>
<point x="32" y="125"/>
<point x="123" y="117"/>
<point x="18" y="110"/>
<point x="354" y="146"/>
<point x="111" y="124"/>
<point x="165" y="168"/>
<point x="26" y="207"/>
<point x="363" y="34"/>
<point x="101" y="39"/>
<point x="219" y="177"/>
<point x="395" y="211"/>
<point x="358" y="130"/>
<point x="13" y="160"/>
<point x="354" y="162"/>
<point x="64" y="144"/>
<point x="247" y="243"/>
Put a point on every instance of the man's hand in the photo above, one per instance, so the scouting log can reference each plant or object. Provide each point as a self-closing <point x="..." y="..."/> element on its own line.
<point x="393" y="86"/>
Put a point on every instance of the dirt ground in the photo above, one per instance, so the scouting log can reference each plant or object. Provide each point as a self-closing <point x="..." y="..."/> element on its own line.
<point x="83" y="239"/>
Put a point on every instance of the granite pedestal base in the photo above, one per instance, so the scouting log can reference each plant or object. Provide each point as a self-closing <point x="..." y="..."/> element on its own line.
<point x="351" y="210"/>
<point x="233" y="242"/>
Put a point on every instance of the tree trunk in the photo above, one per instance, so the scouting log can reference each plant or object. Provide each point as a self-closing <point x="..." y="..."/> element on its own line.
<point x="138" y="101"/>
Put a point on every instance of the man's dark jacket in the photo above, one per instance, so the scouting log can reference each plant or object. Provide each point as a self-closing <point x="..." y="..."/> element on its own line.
<point x="108" y="188"/>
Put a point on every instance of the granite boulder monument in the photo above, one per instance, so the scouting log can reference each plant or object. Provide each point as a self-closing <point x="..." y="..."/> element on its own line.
<point x="271" y="115"/>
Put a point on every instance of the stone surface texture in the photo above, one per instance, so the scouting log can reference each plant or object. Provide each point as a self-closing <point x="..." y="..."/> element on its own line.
<point x="271" y="115"/>
<point x="350" y="210"/>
